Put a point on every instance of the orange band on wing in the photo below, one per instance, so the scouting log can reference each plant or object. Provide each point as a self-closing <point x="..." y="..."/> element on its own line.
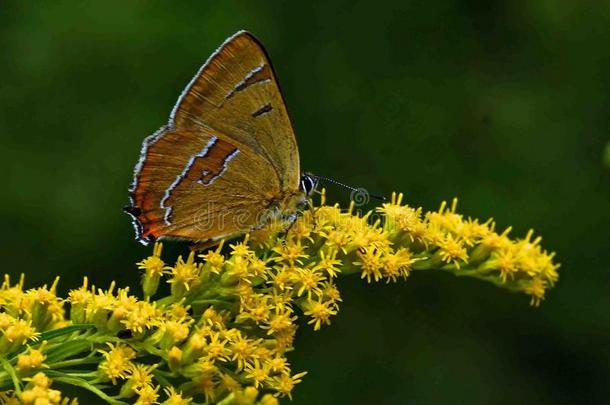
<point x="203" y="168"/>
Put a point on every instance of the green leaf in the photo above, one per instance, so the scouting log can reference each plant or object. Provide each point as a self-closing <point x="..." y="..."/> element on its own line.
<point x="77" y="382"/>
<point x="67" y="349"/>
<point x="12" y="373"/>
<point x="50" y="334"/>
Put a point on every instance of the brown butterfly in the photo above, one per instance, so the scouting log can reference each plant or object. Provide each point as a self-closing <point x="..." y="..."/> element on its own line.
<point x="227" y="161"/>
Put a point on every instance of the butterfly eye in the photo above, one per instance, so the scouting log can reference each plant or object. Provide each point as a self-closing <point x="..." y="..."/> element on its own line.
<point x="308" y="183"/>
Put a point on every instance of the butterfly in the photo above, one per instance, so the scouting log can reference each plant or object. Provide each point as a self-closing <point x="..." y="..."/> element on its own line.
<point x="227" y="161"/>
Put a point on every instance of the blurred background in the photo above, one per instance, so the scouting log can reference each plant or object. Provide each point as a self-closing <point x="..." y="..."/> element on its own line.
<point x="504" y="104"/>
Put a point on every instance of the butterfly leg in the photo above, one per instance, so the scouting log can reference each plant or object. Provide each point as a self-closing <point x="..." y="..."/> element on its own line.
<point x="292" y="218"/>
<point x="203" y="245"/>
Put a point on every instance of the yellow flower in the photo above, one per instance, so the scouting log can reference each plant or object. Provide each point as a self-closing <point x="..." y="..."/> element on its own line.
<point x="470" y="231"/>
<point x="331" y="293"/>
<point x="283" y="277"/>
<point x="230" y="320"/>
<point x="117" y="363"/>
<point x="268" y="399"/>
<point x="238" y="271"/>
<point x="329" y="263"/>
<point x="178" y="311"/>
<point x="153" y="265"/>
<point x="309" y="281"/>
<point x="255" y="307"/>
<point x="140" y="376"/>
<point x="147" y="395"/>
<point x="154" y="268"/>
<point x="16" y="333"/>
<point x="397" y="264"/>
<point x="320" y="313"/>
<point x="548" y="269"/>
<point x="213" y="318"/>
<point x="174" y="358"/>
<point x="337" y="239"/>
<point x="241" y="249"/>
<point x="402" y="218"/>
<point x="536" y="288"/>
<point x="505" y="261"/>
<point x="214" y="260"/>
<point x="279" y="321"/>
<point x="284" y="340"/>
<point x="45" y="308"/>
<point x="284" y="383"/>
<point x="242" y="349"/>
<point x="278" y="364"/>
<point x="494" y="241"/>
<point x="174" y="397"/>
<point x="173" y="332"/>
<point x="13" y="296"/>
<point x="258" y="268"/>
<point x="371" y="263"/>
<point x="290" y="252"/>
<point x="206" y="384"/>
<point x="38" y="391"/>
<point x="452" y="250"/>
<point x="184" y="275"/>
<point x="216" y="349"/>
<point x="257" y="373"/>
<point x="141" y="316"/>
<point x="34" y="358"/>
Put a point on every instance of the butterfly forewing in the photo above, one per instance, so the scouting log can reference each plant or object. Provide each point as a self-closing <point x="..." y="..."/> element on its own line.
<point x="236" y="93"/>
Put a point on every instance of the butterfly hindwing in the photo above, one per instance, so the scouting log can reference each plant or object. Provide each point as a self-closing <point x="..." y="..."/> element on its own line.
<point x="198" y="185"/>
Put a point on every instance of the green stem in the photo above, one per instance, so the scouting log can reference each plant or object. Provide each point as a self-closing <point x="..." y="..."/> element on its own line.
<point x="161" y="378"/>
<point x="211" y="302"/>
<point x="75" y="362"/>
<point x="77" y="382"/>
<point x="12" y="373"/>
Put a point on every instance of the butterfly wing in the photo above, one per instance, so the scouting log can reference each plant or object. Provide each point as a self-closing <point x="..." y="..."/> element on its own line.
<point x="199" y="185"/>
<point x="237" y="93"/>
<point x="228" y="151"/>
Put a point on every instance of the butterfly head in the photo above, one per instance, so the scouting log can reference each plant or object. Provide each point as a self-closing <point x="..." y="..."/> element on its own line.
<point x="308" y="184"/>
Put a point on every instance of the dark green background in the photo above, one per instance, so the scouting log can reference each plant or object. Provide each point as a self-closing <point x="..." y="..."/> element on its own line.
<point x="503" y="104"/>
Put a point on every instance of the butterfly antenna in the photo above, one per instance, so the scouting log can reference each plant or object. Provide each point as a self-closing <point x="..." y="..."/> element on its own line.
<point x="353" y="189"/>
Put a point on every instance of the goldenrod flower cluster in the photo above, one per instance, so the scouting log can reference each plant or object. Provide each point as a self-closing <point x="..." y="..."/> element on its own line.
<point x="222" y="332"/>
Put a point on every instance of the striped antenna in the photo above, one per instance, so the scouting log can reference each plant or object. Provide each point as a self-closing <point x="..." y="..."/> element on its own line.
<point x="354" y="189"/>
